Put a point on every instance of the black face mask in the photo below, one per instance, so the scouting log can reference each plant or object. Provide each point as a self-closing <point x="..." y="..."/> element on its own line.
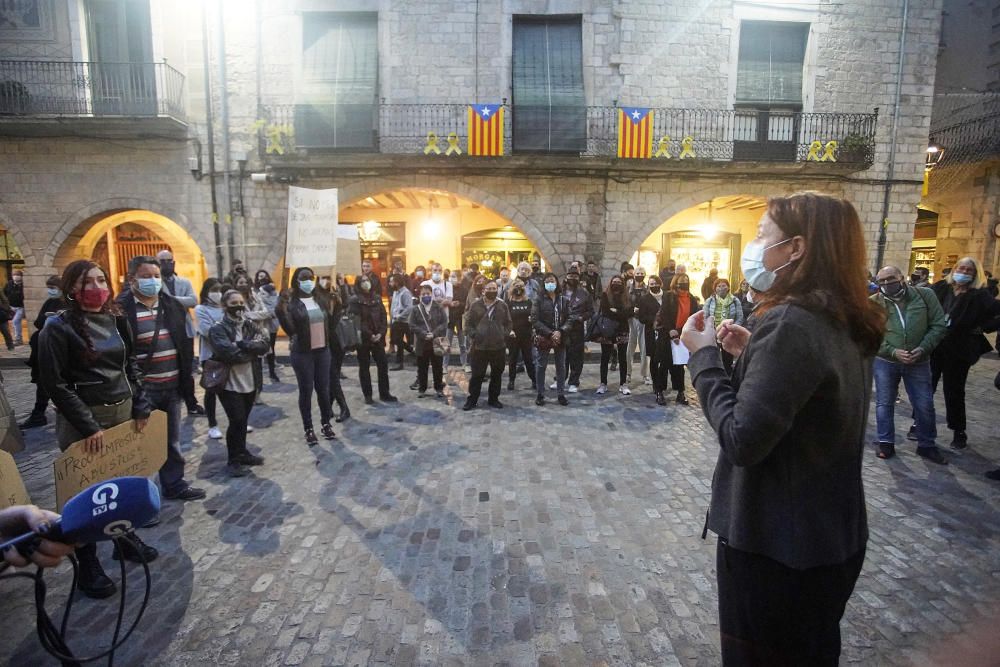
<point x="683" y="287"/>
<point x="893" y="289"/>
<point x="617" y="287"/>
<point x="167" y="267"/>
<point x="236" y="312"/>
<point x="916" y="277"/>
<point x="518" y="291"/>
<point x="572" y="282"/>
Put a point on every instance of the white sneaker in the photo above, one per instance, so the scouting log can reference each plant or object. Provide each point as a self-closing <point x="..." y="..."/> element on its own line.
<point x="214" y="433"/>
<point x="624" y="390"/>
<point x="249" y="428"/>
<point x="572" y="389"/>
<point x="601" y="389"/>
<point x="554" y="385"/>
<point x="467" y="368"/>
<point x="647" y="380"/>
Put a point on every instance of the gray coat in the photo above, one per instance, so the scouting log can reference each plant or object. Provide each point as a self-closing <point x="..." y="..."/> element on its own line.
<point x="425" y="321"/>
<point x="791" y="426"/>
<point x="181" y="289"/>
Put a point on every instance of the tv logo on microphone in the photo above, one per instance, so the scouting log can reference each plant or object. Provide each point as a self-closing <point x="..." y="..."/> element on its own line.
<point x="103" y="498"/>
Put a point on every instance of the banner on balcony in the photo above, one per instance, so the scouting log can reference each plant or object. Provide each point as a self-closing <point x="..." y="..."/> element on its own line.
<point x="635" y="132"/>
<point x="485" y="129"/>
<point x="311" y="236"/>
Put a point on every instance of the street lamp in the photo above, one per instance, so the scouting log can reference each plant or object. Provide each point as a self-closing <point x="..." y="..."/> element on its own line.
<point x="932" y="158"/>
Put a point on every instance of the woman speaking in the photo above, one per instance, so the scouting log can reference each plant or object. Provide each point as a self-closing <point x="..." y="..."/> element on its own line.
<point x="787" y="498"/>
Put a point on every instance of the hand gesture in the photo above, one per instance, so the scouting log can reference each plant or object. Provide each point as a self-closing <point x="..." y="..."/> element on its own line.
<point x="732" y="337"/>
<point x="695" y="335"/>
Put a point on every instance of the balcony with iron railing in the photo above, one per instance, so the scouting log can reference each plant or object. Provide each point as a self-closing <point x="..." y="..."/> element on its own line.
<point x="367" y="135"/>
<point x="107" y="99"/>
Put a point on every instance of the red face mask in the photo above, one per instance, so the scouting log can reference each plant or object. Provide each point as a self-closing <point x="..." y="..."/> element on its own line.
<point x="93" y="297"/>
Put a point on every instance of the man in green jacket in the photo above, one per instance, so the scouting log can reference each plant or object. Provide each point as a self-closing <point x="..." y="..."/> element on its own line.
<point x="915" y="324"/>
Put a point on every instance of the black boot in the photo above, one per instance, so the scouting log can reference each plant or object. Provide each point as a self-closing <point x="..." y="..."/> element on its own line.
<point x="272" y="372"/>
<point x="135" y="550"/>
<point x="92" y="581"/>
<point x="660" y="400"/>
<point x="681" y="398"/>
<point x="33" y="420"/>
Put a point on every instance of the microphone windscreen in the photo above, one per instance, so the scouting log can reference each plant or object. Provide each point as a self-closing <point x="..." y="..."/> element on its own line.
<point x="108" y="509"/>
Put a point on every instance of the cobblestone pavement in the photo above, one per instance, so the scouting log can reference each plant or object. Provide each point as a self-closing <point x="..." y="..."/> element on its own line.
<point x="522" y="536"/>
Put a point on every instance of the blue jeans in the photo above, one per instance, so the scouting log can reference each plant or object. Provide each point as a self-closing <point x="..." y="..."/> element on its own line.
<point x="917" y="381"/>
<point x="172" y="473"/>
<point x="542" y="361"/>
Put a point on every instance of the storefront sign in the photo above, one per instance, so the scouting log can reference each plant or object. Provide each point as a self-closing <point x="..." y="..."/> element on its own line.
<point x="311" y="237"/>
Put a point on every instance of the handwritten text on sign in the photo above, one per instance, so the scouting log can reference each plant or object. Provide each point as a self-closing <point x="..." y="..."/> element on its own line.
<point x="12" y="491"/>
<point x="125" y="453"/>
<point x="312" y="227"/>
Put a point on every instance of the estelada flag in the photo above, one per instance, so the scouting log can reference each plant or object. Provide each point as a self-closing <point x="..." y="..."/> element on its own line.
<point x="485" y="129"/>
<point x="635" y="132"/>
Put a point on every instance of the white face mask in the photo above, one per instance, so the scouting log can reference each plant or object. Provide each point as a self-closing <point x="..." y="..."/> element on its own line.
<point x="215" y="297"/>
<point x="436" y="276"/>
<point x="757" y="275"/>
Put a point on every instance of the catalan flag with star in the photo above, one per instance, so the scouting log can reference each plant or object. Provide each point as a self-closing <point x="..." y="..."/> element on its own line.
<point x="635" y="132"/>
<point x="485" y="129"/>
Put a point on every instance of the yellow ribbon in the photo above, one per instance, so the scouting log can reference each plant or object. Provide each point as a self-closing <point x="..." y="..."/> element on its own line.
<point x="828" y="152"/>
<point x="687" y="148"/>
<point x="663" y="148"/>
<point x="276" y="135"/>
<point x="453" y="144"/>
<point x="432" y="144"/>
<point x="814" y="149"/>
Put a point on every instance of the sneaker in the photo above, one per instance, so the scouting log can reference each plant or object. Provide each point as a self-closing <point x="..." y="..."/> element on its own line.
<point x="554" y="385"/>
<point x="214" y="433"/>
<point x="510" y="384"/>
<point x="647" y="381"/>
<point x="562" y="400"/>
<point x="327" y="432"/>
<point x="134" y="549"/>
<point x="343" y="416"/>
<point x="572" y="389"/>
<point x="249" y="428"/>
<point x="196" y="411"/>
<point x="912" y="433"/>
<point x="248" y="459"/>
<point x="415" y="385"/>
<point x="601" y="389"/>
<point x="311" y="438"/>
<point x="960" y="441"/>
<point x="624" y="390"/>
<point x="237" y="470"/>
<point x="439" y="393"/>
<point x="539" y="400"/>
<point x="932" y="454"/>
<point x="33" y="421"/>
<point x="467" y="368"/>
<point x="187" y="493"/>
<point x="681" y="399"/>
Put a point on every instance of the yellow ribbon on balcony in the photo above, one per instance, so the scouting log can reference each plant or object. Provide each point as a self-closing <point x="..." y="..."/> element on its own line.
<point x="829" y="152"/>
<point x="814" y="148"/>
<point x="687" y="148"/>
<point x="432" y="144"/>
<point x="453" y="144"/>
<point x="663" y="148"/>
<point x="276" y="136"/>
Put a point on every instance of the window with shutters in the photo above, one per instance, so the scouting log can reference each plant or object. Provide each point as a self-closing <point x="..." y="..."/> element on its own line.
<point x="338" y="101"/>
<point x="769" y="72"/>
<point x="549" y="111"/>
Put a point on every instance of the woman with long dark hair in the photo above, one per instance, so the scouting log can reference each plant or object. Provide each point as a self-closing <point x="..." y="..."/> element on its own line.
<point x="88" y="368"/>
<point x="787" y="498"/>
<point x="615" y="306"/>
<point x="338" y="310"/>
<point x="207" y="314"/>
<point x="678" y="305"/>
<point x="304" y="313"/>
<point x="266" y="296"/>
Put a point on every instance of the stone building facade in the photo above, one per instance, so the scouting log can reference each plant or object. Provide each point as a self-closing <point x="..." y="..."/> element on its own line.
<point x="69" y="177"/>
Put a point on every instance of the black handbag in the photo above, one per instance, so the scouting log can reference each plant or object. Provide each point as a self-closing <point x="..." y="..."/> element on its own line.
<point x="348" y="334"/>
<point x="214" y="375"/>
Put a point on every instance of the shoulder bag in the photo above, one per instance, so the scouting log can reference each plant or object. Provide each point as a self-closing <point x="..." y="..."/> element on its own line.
<point x="438" y="344"/>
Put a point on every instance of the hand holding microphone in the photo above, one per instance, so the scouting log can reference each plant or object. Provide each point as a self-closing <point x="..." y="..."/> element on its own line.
<point x="21" y="518"/>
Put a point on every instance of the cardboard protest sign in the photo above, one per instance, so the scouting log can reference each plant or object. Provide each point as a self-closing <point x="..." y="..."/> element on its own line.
<point x="11" y="439"/>
<point x="125" y="453"/>
<point x="311" y="236"/>
<point x="348" y="250"/>
<point x="12" y="491"/>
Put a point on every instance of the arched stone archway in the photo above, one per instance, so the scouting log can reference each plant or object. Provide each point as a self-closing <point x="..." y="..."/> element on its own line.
<point x="359" y="190"/>
<point x="27" y="252"/>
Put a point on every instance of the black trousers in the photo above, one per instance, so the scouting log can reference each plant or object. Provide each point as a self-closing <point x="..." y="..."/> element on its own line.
<point x="336" y="389"/>
<point x="606" y="352"/>
<point x="188" y="394"/>
<point x="955" y="373"/>
<point x="270" y="354"/>
<point x="312" y="373"/>
<point x="659" y="363"/>
<point x="428" y="358"/>
<point x="365" y="354"/>
<point x="574" y="356"/>
<point x="772" y="614"/>
<point x="237" y="407"/>
<point x="399" y="333"/>
<point x="41" y="400"/>
<point x="480" y="360"/>
<point x="677" y="377"/>
<point x="520" y="347"/>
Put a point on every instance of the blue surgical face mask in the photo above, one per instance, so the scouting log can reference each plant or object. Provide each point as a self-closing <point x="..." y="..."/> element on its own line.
<point x="550" y="287"/>
<point x="757" y="275"/>
<point x="426" y="299"/>
<point x="961" y="278"/>
<point x="54" y="292"/>
<point x="149" y="286"/>
<point x="307" y="286"/>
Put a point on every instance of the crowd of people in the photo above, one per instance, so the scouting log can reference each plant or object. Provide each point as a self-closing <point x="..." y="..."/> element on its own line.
<point x="783" y="367"/>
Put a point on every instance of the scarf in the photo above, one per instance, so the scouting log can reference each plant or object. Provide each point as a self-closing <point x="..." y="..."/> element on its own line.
<point x="683" y="309"/>
<point x="721" y="310"/>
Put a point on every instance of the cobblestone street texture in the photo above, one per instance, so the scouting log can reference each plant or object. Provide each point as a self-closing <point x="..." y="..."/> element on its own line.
<point x="522" y="536"/>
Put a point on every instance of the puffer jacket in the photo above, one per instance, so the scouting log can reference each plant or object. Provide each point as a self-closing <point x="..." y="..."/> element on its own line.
<point x="916" y="320"/>
<point x="551" y="315"/>
<point x="488" y="333"/>
<point x="253" y="345"/>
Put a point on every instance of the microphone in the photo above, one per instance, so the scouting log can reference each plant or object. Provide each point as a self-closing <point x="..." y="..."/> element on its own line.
<point x="101" y="512"/>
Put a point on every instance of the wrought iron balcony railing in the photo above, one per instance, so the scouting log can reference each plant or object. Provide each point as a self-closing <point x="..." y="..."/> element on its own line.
<point x="722" y="135"/>
<point x="80" y="89"/>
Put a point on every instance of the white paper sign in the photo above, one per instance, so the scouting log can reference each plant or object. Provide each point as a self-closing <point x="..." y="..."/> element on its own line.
<point x="348" y="250"/>
<point x="681" y="354"/>
<point x="311" y="238"/>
